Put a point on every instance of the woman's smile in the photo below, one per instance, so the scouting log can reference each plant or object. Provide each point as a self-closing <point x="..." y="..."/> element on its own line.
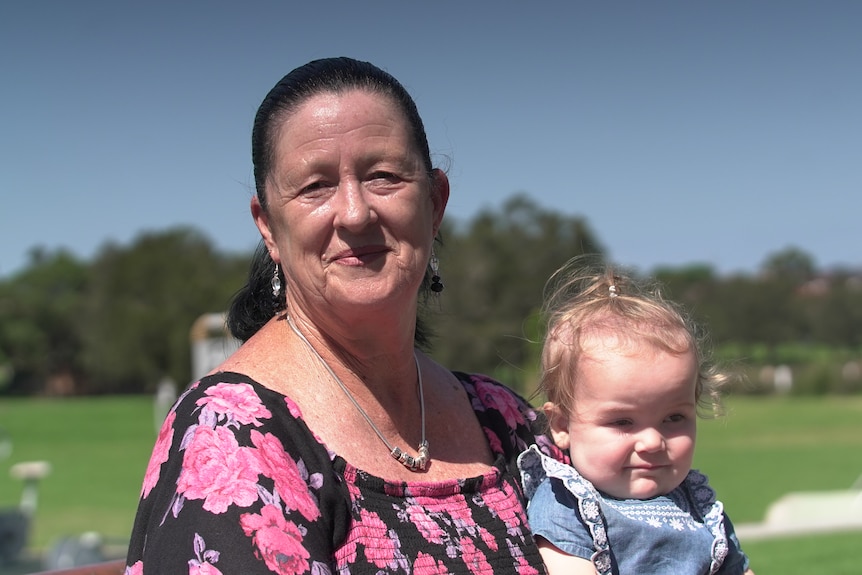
<point x="359" y="256"/>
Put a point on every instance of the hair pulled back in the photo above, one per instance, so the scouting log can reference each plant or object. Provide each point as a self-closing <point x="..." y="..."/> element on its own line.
<point x="254" y="304"/>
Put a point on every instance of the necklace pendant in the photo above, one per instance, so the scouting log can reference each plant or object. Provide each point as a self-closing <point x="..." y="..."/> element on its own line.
<point x="410" y="462"/>
<point x="424" y="456"/>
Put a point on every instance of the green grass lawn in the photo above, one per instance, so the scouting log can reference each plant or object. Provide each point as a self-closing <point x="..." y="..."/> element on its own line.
<point x="763" y="448"/>
<point x="98" y="449"/>
<point x="835" y="554"/>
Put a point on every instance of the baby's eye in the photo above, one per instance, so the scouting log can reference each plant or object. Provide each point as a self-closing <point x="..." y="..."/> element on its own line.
<point x="675" y="418"/>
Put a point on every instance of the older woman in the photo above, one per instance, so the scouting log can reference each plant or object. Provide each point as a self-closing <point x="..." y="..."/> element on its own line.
<point x="328" y="442"/>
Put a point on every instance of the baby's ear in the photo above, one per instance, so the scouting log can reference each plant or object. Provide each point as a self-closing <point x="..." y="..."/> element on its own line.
<point x="559" y="422"/>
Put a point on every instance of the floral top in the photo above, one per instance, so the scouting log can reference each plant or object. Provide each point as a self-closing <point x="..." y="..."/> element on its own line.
<point x="238" y="484"/>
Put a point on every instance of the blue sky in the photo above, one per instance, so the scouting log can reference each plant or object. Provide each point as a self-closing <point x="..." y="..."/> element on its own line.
<point x="685" y="132"/>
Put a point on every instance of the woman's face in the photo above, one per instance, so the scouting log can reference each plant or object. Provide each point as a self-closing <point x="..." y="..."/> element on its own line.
<point x="351" y="211"/>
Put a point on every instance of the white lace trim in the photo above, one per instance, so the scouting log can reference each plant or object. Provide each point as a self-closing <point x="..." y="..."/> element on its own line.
<point x="535" y="467"/>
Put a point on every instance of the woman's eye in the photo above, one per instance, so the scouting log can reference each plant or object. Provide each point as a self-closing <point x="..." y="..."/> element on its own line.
<point x="382" y="182"/>
<point x="383" y="175"/>
<point x="314" y="188"/>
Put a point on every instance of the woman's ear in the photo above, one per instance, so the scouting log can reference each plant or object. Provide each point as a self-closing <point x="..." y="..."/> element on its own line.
<point x="559" y="423"/>
<point x="261" y="220"/>
<point x="439" y="196"/>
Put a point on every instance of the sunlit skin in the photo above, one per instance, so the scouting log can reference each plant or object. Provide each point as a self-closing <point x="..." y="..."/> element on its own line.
<point x="352" y="211"/>
<point x="632" y="430"/>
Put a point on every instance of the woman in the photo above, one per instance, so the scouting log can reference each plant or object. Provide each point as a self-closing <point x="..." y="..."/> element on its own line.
<point x="327" y="442"/>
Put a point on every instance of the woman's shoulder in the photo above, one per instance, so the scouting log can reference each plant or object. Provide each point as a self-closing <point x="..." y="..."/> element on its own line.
<point x="489" y="396"/>
<point x="236" y="399"/>
<point x="243" y="414"/>
<point x="231" y="387"/>
<point x="490" y="393"/>
<point x="511" y="423"/>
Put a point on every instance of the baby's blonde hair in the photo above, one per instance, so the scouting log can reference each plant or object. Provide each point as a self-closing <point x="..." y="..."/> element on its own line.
<point x="588" y="296"/>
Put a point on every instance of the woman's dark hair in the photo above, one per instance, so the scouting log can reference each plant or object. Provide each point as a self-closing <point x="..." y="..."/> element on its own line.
<point x="254" y="304"/>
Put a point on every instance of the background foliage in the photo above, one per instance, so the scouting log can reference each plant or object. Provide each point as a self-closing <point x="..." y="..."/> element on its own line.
<point x="120" y="323"/>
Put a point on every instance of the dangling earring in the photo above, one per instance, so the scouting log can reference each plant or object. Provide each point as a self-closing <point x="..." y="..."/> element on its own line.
<point x="436" y="285"/>
<point x="276" y="283"/>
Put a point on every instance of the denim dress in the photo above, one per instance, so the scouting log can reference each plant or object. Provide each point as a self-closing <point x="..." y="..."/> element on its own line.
<point x="684" y="532"/>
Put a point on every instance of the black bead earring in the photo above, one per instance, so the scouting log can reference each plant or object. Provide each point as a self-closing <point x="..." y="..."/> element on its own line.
<point x="436" y="285"/>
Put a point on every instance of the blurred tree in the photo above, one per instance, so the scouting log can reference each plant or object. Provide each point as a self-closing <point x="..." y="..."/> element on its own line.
<point x="833" y="310"/>
<point x="495" y="270"/>
<point x="121" y="323"/>
<point x="692" y="286"/>
<point x="686" y="283"/>
<point x="748" y="310"/>
<point x="40" y="313"/>
<point x="790" y="264"/>
<point x="143" y="301"/>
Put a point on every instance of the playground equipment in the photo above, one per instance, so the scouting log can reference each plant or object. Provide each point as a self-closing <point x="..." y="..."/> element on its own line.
<point x="211" y="343"/>
<point x="15" y="522"/>
<point x="78" y="555"/>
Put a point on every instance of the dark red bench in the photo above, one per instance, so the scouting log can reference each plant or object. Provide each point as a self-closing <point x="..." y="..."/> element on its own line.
<point x="115" y="567"/>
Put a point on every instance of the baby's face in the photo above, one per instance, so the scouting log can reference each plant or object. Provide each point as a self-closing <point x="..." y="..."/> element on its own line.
<point x="632" y="429"/>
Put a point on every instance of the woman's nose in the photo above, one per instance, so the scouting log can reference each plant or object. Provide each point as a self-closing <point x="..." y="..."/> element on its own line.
<point x="352" y="209"/>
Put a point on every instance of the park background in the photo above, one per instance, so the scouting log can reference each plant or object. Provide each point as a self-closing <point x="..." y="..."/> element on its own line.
<point x="715" y="146"/>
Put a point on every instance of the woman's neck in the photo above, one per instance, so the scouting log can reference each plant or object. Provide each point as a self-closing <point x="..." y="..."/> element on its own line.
<point x="368" y="353"/>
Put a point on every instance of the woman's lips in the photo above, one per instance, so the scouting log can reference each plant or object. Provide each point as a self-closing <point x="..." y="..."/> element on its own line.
<point x="359" y="256"/>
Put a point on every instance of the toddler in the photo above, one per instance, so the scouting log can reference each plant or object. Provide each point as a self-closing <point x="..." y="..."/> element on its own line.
<point x="626" y="378"/>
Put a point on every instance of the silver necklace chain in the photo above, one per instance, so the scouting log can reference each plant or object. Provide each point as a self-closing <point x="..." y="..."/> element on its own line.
<point x="412" y="463"/>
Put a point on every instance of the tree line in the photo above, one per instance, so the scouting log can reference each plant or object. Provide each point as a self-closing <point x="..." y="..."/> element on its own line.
<point x="120" y="323"/>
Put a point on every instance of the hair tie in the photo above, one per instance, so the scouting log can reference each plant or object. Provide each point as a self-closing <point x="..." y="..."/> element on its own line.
<point x="612" y="291"/>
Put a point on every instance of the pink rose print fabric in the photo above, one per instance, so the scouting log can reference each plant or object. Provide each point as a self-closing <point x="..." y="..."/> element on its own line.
<point x="237" y="483"/>
<point x="160" y="454"/>
<point x="278" y="542"/>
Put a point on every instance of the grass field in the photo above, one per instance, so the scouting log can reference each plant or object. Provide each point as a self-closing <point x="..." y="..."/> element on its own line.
<point x="762" y="449"/>
<point x="765" y="447"/>
<point x="98" y="449"/>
